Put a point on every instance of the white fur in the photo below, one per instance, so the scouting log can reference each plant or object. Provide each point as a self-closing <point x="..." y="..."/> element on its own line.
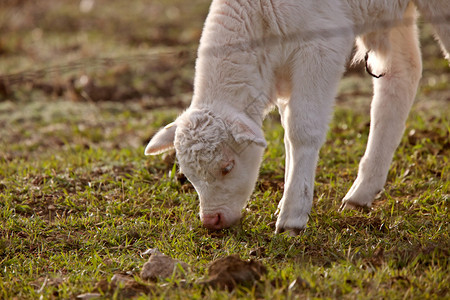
<point x="254" y="55"/>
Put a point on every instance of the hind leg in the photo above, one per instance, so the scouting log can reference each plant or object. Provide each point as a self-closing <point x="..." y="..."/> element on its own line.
<point x="393" y="97"/>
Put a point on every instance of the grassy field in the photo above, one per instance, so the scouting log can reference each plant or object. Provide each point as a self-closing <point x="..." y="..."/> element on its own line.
<point x="81" y="92"/>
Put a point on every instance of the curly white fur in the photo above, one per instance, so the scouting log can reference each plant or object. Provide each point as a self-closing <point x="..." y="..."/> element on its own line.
<point x="198" y="141"/>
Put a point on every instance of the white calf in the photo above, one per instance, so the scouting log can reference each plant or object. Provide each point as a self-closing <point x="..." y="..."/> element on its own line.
<point x="289" y="53"/>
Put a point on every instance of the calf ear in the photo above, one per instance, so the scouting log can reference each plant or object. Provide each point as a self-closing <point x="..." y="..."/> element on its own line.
<point x="247" y="131"/>
<point x="162" y="141"/>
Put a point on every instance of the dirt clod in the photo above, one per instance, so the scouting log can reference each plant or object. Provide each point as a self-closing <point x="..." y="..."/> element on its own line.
<point x="231" y="271"/>
<point x="128" y="286"/>
<point x="161" y="266"/>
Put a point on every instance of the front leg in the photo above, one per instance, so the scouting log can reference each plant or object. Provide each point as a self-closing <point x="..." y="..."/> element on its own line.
<point x="305" y="124"/>
<point x="305" y="117"/>
<point x="295" y="206"/>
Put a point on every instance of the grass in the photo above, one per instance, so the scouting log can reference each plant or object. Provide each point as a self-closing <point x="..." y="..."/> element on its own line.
<point x="79" y="202"/>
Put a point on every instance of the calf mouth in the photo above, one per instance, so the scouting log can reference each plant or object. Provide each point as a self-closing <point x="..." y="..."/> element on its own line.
<point x="218" y="220"/>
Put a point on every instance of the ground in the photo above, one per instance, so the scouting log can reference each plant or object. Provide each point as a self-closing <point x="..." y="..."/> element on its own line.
<point x="82" y="89"/>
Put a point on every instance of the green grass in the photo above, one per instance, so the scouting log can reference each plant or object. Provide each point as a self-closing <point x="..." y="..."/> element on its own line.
<point x="80" y="202"/>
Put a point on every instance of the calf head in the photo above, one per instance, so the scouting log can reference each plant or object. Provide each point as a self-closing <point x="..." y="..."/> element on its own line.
<point x="220" y="155"/>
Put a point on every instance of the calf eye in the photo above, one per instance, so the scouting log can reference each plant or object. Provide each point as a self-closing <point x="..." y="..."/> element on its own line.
<point x="227" y="167"/>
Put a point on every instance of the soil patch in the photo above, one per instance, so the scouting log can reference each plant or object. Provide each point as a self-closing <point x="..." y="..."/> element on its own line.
<point x="231" y="271"/>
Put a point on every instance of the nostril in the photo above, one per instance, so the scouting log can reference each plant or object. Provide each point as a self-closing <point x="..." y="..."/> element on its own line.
<point x="219" y="219"/>
<point x="213" y="221"/>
